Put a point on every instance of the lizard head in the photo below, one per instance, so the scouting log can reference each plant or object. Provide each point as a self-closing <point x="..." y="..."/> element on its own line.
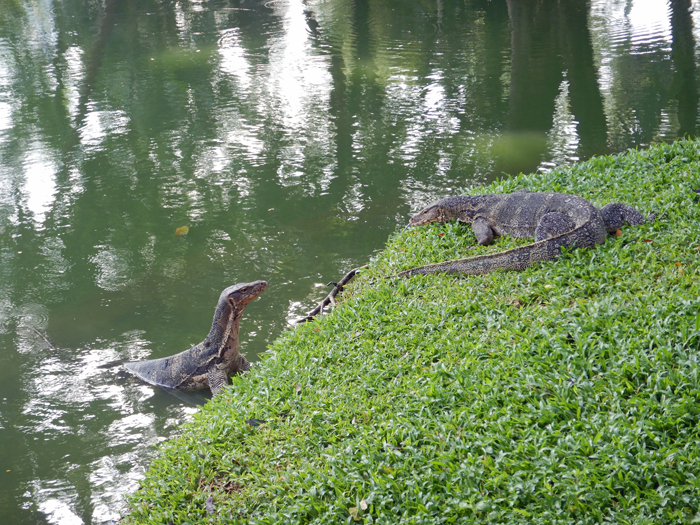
<point x="241" y="294"/>
<point x="229" y="310"/>
<point x="432" y="213"/>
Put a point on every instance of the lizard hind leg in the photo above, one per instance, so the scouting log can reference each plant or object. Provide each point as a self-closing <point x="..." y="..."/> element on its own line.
<point x="616" y="214"/>
<point x="553" y="224"/>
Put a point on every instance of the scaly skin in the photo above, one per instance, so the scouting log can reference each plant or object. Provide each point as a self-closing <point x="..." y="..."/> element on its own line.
<point x="208" y="364"/>
<point x="555" y="220"/>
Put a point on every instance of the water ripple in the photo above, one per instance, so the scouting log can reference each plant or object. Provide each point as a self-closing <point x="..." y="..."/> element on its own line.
<point x="113" y="267"/>
<point x="645" y="28"/>
<point x="32" y="315"/>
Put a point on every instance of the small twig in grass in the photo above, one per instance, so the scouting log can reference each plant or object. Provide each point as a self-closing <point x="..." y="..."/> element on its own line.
<point x="330" y="298"/>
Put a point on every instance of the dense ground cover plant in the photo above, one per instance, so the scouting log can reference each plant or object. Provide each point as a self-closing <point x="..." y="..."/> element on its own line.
<point x="566" y="393"/>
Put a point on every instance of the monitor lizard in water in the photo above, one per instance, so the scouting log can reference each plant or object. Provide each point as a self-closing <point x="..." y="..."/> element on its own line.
<point x="556" y="220"/>
<point x="209" y="363"/>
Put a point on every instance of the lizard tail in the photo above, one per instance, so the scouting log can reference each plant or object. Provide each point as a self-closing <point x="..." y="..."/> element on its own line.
<point x="514" y="259"/>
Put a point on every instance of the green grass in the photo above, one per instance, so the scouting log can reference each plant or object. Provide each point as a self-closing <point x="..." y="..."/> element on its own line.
<point x="566" y="393"/>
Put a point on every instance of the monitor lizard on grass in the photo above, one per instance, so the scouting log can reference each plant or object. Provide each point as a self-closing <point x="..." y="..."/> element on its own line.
<point x="556" y="220"/>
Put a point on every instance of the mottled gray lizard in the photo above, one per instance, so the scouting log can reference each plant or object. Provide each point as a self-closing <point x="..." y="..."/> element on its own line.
<point x="209" y="363"/>
<point x="556" y="220"/>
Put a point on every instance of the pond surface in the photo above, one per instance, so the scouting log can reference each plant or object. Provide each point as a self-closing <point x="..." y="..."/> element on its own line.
<point x="292" y="138"/>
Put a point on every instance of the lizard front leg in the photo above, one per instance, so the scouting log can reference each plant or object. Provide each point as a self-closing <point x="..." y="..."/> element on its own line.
<point x="217" y="378"/>
<point x="483" y="231"/>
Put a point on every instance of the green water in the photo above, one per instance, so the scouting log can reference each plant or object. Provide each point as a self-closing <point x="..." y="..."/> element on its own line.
<point x="291" y="138"/>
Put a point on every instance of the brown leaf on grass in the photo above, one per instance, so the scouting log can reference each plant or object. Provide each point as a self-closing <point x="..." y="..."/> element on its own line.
<point x="226" y="486"/>
<point x="231" y="487"/>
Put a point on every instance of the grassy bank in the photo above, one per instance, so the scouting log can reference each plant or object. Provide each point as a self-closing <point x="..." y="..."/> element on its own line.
<point x="566" y="393"/>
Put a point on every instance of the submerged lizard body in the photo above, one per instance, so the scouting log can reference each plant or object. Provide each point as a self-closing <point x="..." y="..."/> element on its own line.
<point x="555" y="220"/>
<point x="209" y="363"/>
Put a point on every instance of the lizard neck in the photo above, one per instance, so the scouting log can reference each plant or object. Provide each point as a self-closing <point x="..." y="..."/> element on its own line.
<point x="224" y="330"/>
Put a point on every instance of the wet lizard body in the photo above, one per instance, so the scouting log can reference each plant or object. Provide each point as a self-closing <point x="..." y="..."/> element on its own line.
<point x="555" y="220"/>
<point x="209" y="363"/>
